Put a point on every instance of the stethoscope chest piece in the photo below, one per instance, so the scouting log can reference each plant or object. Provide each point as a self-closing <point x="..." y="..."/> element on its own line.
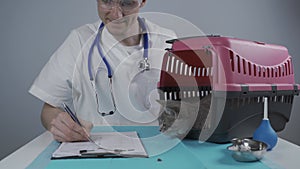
<point x="144" y="65"/>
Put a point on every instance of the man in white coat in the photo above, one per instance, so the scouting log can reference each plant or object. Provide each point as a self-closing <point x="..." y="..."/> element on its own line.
<point x="66" y="79"/>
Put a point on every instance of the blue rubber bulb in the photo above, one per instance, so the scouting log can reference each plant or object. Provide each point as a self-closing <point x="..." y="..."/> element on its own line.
<point x="266" y="134"/>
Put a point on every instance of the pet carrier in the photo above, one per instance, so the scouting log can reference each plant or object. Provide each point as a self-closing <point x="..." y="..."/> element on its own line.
<point x="232" y="75"/>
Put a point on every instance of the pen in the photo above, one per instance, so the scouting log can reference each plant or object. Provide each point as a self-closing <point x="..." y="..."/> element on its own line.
<point x="74" y="117"/>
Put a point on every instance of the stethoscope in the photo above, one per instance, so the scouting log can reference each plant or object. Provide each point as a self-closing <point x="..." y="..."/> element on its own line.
<point x="144" y="65"/>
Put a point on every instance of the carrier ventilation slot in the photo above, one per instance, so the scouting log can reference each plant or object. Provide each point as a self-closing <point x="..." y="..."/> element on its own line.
<point x="239" y="102"/>
<point x="185" y="94"/>
<point x="244" y="66"/>
<point x="179" y="67"/>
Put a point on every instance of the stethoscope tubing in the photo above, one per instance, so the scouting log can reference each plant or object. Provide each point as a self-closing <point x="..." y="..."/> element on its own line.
<point x="96" y="42"/>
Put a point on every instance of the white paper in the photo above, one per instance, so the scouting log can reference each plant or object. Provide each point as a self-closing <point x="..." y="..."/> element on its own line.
<point x="128" y="141"/>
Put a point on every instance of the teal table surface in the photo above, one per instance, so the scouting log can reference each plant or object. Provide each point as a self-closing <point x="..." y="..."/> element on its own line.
<point x="186" y="154"/>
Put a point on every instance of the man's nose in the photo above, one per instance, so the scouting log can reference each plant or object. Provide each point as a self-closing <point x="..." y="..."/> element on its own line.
<point x="116" y="12"/>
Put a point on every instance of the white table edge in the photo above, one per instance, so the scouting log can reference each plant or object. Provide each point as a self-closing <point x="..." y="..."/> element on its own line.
<point x="27" y="153"/>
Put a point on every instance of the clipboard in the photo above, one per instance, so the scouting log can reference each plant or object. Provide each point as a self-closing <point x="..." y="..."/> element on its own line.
<point x="115" y="145"/>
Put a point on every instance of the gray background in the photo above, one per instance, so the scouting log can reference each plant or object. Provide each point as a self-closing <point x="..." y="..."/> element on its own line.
<point x="32" y="30"/>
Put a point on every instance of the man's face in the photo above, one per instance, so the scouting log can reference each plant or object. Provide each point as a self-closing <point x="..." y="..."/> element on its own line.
<point x="119" y="15"/>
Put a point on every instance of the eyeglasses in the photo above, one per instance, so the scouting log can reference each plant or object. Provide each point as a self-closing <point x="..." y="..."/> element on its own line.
<point x="125" y="5"/>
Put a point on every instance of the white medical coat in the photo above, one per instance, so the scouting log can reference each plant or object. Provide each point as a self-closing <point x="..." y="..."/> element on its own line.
<point x="65" y="78"/>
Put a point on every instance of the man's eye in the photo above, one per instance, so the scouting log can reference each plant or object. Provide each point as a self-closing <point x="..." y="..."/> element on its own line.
<point x="128" y="2"/>
<point x="107" y="1"/>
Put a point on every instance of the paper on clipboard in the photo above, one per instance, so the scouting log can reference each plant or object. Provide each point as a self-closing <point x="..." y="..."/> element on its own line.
<point x="128" y="141"/>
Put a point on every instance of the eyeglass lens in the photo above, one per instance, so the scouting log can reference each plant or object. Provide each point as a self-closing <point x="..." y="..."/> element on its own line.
<point x="125" y="5"/>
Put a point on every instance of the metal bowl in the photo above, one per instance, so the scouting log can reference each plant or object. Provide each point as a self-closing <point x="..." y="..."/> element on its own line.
<point x="247" y="150"/>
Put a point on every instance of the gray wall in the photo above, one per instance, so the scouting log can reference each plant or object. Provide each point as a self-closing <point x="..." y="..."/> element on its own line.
<point x="32" y="30"/>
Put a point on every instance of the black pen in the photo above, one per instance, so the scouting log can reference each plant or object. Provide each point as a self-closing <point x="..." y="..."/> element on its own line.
<point x="76" y="120"/>
<point x="74" y="117"/>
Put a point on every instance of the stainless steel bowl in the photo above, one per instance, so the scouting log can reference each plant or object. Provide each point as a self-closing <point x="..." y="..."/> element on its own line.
<point x="247" y="150"/>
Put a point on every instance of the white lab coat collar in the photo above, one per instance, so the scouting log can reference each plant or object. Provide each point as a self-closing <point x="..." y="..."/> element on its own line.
<point x="109" y="41"/>
<point x="116" y="56"/>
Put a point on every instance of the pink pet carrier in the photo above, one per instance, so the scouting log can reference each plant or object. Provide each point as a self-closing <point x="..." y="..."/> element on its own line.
<point x="236" y="73"/>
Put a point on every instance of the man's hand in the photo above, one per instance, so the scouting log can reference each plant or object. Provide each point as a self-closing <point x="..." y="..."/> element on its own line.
<point x="62" y="126"/>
